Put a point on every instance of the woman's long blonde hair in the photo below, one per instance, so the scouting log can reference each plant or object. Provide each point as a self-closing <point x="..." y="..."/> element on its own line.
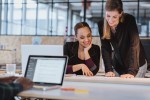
<point x="112" y="5"/>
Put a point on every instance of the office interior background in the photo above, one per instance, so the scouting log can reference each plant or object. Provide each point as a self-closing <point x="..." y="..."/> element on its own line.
<point x="52" y="21"/>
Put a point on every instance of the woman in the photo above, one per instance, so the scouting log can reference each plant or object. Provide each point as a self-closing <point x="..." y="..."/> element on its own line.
<point x="84" y="57"/>
<point x="119" y="30"/>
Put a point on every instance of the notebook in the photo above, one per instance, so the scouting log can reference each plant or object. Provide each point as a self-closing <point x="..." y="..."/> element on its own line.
<point x="47" y="72"/>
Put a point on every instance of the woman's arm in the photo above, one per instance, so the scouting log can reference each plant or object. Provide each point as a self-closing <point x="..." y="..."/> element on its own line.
<point x="94" y="59"/>
<point x="69" y="69"/>
<point x="106" y="50"/>
<point x="74" y="68"/>
<point x="134" y="47"/>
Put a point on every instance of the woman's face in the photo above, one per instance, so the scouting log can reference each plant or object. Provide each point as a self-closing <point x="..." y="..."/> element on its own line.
<point x="112" y="18"/>
<point x="84" y="36"/>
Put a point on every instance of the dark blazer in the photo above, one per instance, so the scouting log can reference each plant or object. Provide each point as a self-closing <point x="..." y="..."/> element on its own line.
<point x="128" y="51"/>
<point x="71" y="50"/>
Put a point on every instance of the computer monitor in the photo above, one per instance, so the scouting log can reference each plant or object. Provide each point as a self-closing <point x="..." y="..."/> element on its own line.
<point x="50" y="50"/>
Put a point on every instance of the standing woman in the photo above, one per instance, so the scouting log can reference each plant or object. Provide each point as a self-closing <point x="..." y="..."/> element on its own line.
<point x="84" y="57"/>
<point x="119" y="30"/>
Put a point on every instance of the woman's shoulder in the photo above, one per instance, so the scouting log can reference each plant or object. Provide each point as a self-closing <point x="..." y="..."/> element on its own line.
<point x="128" y="17"/>
<point x="95" y="50"/>
<point x="95" y="46"/>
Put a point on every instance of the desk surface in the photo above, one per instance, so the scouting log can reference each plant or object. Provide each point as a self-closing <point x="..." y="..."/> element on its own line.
<point x="2" y="71"/>
<point x="114" y="80"/>
<point x="94" y="91"/>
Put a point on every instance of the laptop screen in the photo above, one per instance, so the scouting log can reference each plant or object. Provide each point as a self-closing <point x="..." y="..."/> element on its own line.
<point x="46" y="69"/>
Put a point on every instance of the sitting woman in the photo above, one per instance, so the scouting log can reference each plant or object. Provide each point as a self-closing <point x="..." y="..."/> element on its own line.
<point x="84" y="57"/>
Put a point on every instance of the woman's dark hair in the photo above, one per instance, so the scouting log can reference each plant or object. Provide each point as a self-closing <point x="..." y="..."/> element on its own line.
<point x="81" y="25"/>
<point x="112" y="5"/>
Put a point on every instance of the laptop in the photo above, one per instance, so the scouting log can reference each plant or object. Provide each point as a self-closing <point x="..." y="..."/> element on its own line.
<point x="47" y="72"/>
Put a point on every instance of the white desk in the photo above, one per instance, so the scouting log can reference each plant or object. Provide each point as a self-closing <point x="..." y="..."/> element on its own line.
<point x="115" y="80"/>
<point x="96" y="91"/>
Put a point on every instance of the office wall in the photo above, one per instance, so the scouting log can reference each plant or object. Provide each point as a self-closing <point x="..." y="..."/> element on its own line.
<point x="10" y="46"/>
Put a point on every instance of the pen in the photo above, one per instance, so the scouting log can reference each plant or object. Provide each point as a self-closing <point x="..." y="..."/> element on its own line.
<point x="68" y="89"/>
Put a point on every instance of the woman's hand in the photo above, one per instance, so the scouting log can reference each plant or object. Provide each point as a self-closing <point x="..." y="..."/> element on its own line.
<point x="86" y="71"/>
<point x="86" y="52"/>
<point x="110" y="74"/>
<point x="87" y="48"/>
<point x="84" y="68"/>
<point x="127" y="76"/>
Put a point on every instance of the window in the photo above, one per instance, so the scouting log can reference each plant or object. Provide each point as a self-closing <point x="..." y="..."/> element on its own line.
<point x="58" y="17"/>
